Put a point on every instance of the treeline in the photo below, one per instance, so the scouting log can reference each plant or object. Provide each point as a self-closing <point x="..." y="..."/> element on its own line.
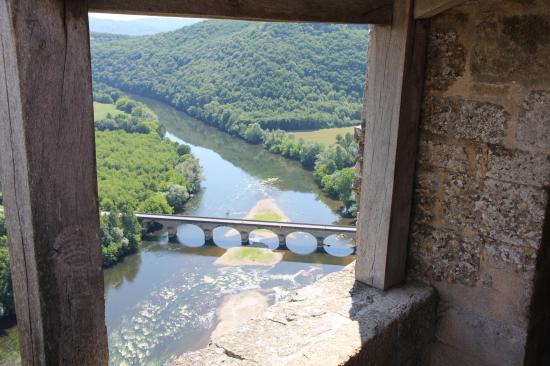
<point x="138" y="170"/>
<point x="333" y="165"/>
<point x="233" y="74"/>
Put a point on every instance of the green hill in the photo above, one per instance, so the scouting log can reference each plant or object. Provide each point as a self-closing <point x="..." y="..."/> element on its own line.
<point x="233" y="73"/>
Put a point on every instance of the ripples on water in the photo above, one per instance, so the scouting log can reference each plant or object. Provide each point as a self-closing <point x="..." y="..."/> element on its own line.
<point x="179" y="314"/>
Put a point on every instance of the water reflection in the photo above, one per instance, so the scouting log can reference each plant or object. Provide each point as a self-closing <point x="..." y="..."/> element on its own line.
<point x="262" y="238"/>
<point x="190" y="235"/>
<point x="226" y="237"/>
<point x="339" y="245"/>
<point x="301" y="243"/>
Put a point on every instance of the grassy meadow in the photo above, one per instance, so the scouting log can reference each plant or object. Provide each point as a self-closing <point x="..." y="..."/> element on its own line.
<point x="101" y="110"/>
<point x="326" y="136"/>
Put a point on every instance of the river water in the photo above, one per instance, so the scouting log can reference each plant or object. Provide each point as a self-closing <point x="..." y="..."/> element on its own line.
<point x="163" y="300"/>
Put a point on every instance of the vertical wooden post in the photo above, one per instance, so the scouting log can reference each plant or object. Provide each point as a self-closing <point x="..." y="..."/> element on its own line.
<point x="48" y="172"/>
<point x="392" y="107"/>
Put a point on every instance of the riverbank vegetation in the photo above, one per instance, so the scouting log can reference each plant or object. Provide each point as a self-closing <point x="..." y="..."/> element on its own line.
<point x="332" y="165"/>
<point x="137" y="170"/>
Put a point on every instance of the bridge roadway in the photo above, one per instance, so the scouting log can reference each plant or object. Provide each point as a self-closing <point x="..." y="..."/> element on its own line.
<point x="171" y="222"/>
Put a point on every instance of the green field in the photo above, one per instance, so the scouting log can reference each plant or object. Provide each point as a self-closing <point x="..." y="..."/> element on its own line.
<point x="101" y="110"/>
<point x="326" y="136"/>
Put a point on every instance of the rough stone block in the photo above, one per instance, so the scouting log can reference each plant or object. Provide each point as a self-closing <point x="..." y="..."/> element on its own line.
<point x="534" y="120"/>
<point x="503" y="256"/>
<point x="518" y="166"/>
<point x="511" y="48"/>
<point x="460" y="118"/>
<point x="443" y="255"/>
<point x="335" y="321"/>
<point x="511" y="213"/>
<point x="439" y="154"/>
<point x="446" y="58"/>
<point x="461" y="194"/>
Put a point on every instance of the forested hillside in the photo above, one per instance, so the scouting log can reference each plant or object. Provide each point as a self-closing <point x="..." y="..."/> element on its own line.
<point x="231" y="73"/>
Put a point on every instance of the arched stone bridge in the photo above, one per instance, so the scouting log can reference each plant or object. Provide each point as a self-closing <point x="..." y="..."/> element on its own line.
<point x="170" y="223"/>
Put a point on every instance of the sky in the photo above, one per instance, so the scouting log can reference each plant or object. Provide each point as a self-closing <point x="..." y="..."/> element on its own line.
<point x="118" y="16"/>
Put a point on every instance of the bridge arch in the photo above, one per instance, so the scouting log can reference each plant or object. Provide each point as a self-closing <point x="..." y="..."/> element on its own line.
<point x="263" y="238"/>
<point x="339" y="245"/>
<point x="225" y="236"/>
<point x="191" y="235"/>
<point x="301" y="242"/>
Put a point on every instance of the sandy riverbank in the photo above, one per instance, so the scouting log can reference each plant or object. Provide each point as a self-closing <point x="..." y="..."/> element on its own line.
<point x="237" y="309"/>
<point x="267" y="209"/>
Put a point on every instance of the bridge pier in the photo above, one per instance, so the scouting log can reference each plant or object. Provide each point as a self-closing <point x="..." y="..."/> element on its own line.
<point x="245" y="237"/>
<point x="208" y="236"/>
<point x="172" y="234"/>
<point x="320" y="241"/>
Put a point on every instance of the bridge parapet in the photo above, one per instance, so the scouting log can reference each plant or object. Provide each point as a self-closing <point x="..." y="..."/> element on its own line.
<point x="282" y="230"/>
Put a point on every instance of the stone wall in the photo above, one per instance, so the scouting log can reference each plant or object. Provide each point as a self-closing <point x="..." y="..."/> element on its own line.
<point x="482" y="177"/>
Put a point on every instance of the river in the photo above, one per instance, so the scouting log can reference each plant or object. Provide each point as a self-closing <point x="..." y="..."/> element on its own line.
<point x="165" y="299"/>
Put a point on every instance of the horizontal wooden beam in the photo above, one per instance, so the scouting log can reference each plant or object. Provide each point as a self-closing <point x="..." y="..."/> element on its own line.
<point x="428" y="8"/>
<point x="327" y="11"/>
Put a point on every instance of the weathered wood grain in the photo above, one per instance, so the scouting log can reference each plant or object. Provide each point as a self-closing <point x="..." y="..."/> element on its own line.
<point x="341" y="11"/>
<point x="48" y="172"/>
<point x="392" y="105"/>
<point x="428" y="8"/>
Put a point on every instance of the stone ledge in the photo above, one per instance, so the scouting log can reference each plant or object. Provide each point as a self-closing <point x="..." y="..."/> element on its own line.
<point x="335" y="321"/>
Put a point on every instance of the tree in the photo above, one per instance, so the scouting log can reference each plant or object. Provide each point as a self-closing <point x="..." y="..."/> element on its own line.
<point x="254" y="134"/>
<point x="161" y="131"/>
<point x="156" y="203"/>
<point x="339" y="184"/>
<point x="177" y="196"/>
<point x="183" y="149"/>
<point x="191" y="171"/>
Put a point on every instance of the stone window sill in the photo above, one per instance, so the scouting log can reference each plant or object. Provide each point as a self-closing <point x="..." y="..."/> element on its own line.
<point x="335" y="321"/>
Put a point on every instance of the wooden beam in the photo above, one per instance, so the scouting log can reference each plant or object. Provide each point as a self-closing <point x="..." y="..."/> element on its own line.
<point x="392" y="108"/>
<point x="48" y="173"/>
<point x="341" y="11"/>
<point x="428" y="8"/>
